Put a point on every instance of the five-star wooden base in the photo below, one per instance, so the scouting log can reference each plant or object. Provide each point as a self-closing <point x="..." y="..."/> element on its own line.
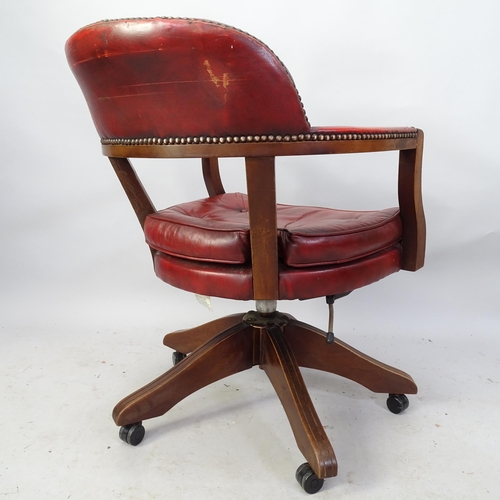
<point x="279" y="344"/>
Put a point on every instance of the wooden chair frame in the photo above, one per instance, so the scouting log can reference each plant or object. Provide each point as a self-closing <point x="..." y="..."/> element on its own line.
<point x="277" y="342"/>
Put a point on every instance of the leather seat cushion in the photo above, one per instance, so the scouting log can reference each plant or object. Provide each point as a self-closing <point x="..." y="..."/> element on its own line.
<point x="217" y="230"/>
<point x="235" y="282"/>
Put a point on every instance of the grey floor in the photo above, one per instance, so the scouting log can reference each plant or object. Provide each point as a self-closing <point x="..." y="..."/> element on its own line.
<point x="66" y="362"/>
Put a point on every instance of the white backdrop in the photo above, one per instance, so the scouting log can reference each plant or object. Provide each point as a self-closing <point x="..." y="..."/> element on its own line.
<point x="69" y="240"/>
<point x="72" y="257"/>
<point x="70" y="245"/>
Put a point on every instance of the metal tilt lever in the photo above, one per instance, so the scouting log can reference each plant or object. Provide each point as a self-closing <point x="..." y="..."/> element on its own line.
<point x="330" y="299"/>
<point x="330" y="337"/>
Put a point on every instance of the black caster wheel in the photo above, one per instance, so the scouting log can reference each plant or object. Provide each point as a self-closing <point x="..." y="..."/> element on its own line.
<point x="309" y="481"/>
<point x="397" y="403"/>
<point x="177" y="356"/>
<point x="132" y="434"/>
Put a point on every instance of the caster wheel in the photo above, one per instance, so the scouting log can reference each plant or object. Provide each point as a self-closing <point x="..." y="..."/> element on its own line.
<point x="177" y="356"/>
<point x="309" y="481"/>
<point x="397" y="403"/>
<point x="132" y="434"/>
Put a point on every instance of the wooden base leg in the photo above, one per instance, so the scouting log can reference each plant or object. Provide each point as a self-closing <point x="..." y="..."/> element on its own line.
<point x="312" y="351"/>
<point x="225" y="354"/>
<point x="187" y="341"/>
<point x="278" y="361"/>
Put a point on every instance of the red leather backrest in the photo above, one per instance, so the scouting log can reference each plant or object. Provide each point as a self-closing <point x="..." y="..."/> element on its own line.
<point x="166" y="77"/>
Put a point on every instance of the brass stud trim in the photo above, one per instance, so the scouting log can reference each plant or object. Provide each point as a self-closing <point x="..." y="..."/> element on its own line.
<point x="166" y="141"/>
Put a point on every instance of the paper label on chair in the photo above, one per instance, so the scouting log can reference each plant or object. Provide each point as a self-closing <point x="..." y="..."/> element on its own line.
<point x="204" y="300"/>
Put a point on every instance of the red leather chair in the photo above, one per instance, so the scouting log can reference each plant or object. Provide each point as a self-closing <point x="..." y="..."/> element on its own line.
<point x="187" y="88"/>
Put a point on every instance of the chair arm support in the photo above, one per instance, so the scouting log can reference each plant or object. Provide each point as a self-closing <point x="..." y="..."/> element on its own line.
<point x="411" y="206"/>
<point x="211" y="176"/>
<point x="261" y="187"/>
<point x="137" y="195"/>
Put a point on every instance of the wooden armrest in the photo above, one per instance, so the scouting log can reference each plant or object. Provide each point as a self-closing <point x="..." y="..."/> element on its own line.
<point x="324" y="141"/>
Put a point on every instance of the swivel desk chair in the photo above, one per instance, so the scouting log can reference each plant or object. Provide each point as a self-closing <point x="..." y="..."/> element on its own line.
<point x="188" y="88"/>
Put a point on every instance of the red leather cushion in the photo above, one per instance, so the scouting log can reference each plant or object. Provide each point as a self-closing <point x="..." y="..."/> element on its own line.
<point x="311" y="236"/>
<point x="235" y="282"/>
<point x="217" y="230"/>
<point x="210" y="230"/>
<point x="164" y="77"/>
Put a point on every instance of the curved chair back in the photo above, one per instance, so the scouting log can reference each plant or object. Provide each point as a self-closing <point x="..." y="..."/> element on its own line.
<point x="165" y="77"/>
